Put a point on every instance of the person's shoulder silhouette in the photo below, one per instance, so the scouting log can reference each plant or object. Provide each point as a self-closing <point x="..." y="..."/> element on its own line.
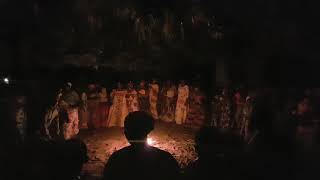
<point x="218" y="155"/>
<point x="139" y="160"/>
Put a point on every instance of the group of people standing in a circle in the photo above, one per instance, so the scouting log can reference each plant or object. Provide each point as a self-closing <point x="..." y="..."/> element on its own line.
<point x="95" y="108"/>
<point x="169" y="103"/>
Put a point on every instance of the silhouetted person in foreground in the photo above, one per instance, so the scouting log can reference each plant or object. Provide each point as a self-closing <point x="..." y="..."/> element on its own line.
<point x="10" y="148"/>
<point x="67" y="159"/>
<point x="220" y="156"/>
<point x="139" y="160"/>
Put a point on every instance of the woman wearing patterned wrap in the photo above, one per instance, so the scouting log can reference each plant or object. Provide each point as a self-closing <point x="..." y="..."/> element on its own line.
<point x="119" y="109"/>
<point x="103" y="108"/>
<point x="246" y="117"/>
<point x="196" y="115"/>
<point x="69" y="102"/>
<point x="132" y="98"/>
<point x="169" y="102"/>
<point x="182" y="103"/>
<point x="153" y="98"/>
<point x="225" y="109"/>
<point x="83" y="114"/>
<point x="143" y="97"/>
<point x="93" y="103"/>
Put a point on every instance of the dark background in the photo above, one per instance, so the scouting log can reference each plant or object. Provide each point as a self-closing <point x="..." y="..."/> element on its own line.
<point x="266" y="42"/>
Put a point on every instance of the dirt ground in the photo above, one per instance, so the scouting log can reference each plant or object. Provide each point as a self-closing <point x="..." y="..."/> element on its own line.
<point x="178" y="140"/>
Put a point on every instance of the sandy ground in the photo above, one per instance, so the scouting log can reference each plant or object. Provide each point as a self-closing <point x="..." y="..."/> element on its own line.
<point x="177" y="140"/>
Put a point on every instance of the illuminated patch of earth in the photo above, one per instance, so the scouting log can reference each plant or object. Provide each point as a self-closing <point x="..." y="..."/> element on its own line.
<point x="177" y="140"/>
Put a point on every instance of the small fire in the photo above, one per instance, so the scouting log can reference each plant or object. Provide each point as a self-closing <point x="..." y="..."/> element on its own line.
<point x="150" y="141"/>
<point x="6" y="80"/>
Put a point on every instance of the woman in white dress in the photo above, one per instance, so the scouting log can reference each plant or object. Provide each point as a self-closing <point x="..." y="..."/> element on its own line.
<point x="119" y="109"/>
<point x="153" y="98"/>
<point x="182" y="103"/>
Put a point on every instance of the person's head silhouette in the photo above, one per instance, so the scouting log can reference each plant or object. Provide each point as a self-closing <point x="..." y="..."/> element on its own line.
<point x="137" y="126"/>
<point x="140" y="161"/>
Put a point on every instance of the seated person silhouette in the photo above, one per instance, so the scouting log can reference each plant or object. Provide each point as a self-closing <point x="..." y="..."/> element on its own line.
<point x="218" y="152"/>
<point x="139" y="160"/>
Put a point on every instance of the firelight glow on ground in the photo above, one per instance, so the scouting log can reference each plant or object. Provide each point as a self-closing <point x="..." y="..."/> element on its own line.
<point x="177" y="140"/>
<point x="150" y="141"/>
